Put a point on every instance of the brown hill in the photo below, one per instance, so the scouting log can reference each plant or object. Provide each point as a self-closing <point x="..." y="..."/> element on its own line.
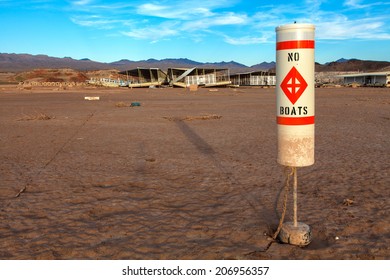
<point x="353" y="65"/>
<point x="27" y="62"/>
<point x="53" y="75"/>
<point x="57" y="75"/>
<point x="44" y="75"/>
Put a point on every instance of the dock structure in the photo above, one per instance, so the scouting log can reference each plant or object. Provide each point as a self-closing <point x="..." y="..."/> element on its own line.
<point x="379" y="79"/>
<point x="255" y="78"/>
<point x="145" y="77"/>
<point x="185" y="77"/>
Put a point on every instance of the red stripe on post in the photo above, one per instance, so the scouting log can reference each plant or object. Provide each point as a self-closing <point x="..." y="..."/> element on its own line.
<point x="299" y="44"/>
<point x="295" y="121"/>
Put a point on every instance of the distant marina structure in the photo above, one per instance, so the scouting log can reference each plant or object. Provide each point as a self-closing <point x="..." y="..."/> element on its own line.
<point x="186" y="77"/>
<point x="144" y="77"/>
<point x="379" y="79"/>
<point x="255" y="78"/>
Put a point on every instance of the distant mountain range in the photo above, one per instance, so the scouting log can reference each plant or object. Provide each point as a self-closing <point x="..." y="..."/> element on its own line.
<point x="353" y="65"/>
<point x="24" y="62"/>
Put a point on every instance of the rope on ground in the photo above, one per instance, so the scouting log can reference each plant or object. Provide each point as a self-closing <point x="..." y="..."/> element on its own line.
<point x="289" y="171"/>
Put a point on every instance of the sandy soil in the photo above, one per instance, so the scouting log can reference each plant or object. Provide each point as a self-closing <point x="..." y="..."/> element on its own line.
<point x="162" y="181"/>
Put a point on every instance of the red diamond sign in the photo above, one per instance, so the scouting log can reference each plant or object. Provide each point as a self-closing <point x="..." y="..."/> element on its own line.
<point x="293" y="85"/>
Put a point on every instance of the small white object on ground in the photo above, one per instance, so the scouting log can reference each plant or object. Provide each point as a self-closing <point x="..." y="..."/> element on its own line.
<point x="92" y="98"/>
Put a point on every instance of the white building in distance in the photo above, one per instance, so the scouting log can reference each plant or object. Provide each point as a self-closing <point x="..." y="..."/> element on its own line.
<point x="379" y="79"/>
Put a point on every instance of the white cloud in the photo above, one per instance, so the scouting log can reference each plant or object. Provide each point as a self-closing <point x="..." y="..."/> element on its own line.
<point x="229" y="19"/>
<point x="215" y="21"/>
<point x="188" y="28"/>
<point x="359" y="5"/>
<point x="341" y="28"/>
<point x="355" y="4"/>
<point x="151" y="9"/>
<point x="246" y="40"/>
<point x="165" y="19"/>
<point x="181" y="11"/>
<point x="99" y="22"/>
<point x="178" y="19"/>
<point x="333" y="24"/>
<point x="82" y="2"/>
<point x="153" y="33"/>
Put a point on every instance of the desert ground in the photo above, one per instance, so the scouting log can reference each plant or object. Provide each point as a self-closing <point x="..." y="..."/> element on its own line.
<point x="187" y="175"/>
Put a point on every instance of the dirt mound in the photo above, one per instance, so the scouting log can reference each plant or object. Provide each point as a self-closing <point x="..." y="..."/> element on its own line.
<point x="57" y="75"/>
<point x="51" y="75"/>
<point x="110" y="74"/>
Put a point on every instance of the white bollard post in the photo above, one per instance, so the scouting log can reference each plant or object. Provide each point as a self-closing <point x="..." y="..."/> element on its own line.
<point x="295" y="111"/>
<point x="295" y="94"/>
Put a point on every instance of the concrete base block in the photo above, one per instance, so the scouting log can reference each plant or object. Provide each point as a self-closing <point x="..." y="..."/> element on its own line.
<point x="299" y="235"/>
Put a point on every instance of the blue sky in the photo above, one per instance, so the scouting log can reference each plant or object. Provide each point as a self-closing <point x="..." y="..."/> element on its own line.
<point x="204" y="31"/>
